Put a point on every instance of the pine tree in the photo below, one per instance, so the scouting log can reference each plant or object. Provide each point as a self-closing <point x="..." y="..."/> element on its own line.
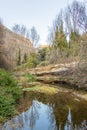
<point x="74" y="38"/>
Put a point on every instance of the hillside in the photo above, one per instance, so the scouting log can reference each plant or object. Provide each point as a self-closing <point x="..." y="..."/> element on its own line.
<point x="10" y="45"/>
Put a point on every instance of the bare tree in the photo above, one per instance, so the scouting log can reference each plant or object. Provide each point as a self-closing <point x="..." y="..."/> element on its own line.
<point x="31" y="34"/>
<point x="57" y="23"/>
<point x="16" y="28"/>
<point x="27" y="33"/>
<point x="20" y="29"/>
<point x="83" y="18"/>
<point x="34" y="36"/>
<point x="23" y="30"/>
<point x="75" y="17"/>
<point x="50" y="36"/>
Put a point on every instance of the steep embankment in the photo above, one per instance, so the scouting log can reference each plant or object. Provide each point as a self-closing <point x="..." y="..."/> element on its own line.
<point x="66" y="74"/>
<point x="10" y="45"/>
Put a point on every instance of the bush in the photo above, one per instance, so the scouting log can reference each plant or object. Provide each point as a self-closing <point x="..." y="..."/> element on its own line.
<point x="31" y="77"/>
<point x="9" y="84"/>
<point x="9" y="93"/>
<point x="42" y="53"/>
<point x="32" y="61"/>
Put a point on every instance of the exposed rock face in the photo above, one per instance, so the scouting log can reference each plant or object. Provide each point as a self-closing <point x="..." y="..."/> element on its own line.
<point x="10" y="44"/>
<point x="70" y="75"/>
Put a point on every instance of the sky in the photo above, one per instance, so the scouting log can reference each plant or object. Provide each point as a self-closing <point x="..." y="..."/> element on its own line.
<point x="38" y="13"/>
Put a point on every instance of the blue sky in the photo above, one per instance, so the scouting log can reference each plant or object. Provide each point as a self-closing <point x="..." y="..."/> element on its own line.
<point x="38" y="13"/>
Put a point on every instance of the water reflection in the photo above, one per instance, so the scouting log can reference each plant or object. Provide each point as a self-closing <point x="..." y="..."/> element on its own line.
<point x="58" y="112"/>
<point x="38" y="117"/>
<point x="69" y="124"/>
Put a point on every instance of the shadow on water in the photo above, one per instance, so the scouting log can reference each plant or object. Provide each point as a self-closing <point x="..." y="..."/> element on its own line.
<point x="39" y="111"/>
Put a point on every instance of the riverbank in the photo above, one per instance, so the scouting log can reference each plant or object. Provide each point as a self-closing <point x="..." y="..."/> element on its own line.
<point x="50" y="80"/>
<point x="73" y="74"/>
<point x="65" y="77"/>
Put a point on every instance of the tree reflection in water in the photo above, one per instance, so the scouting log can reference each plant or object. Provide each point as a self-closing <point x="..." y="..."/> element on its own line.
<point x="69" y="124"/>
<point x="35" y="118"/>
<point x="41" y="117"/>
<point x="34" y="113"/>
<point x="26" y="120"/>
<point x="51" y="117"/>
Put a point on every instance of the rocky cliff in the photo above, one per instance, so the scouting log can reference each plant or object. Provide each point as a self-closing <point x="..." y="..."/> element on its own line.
<point x="10" y="45"/>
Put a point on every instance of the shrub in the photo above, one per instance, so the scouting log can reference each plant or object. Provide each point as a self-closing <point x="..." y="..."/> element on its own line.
<point x="32" y="61"/>
<point x="31" y="77"/>
<point x="9" y="93"/>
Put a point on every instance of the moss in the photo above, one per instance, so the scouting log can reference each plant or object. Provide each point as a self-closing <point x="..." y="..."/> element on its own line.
<point x="42" y="89"/>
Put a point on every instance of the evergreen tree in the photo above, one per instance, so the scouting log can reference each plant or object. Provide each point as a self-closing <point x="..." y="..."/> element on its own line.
<point x="19" y="57"/>
<point x="25" y="58"/>
<point x="74" y="37"/>
<point x="74" y="43"/>
<point x="60" y="41"/>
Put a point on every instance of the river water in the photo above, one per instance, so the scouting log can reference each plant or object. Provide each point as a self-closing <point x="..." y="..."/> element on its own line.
<point x="39" y="111"/>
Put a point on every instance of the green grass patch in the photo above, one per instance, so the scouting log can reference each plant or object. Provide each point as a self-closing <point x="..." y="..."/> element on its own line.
<point x="42" y="89"/>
